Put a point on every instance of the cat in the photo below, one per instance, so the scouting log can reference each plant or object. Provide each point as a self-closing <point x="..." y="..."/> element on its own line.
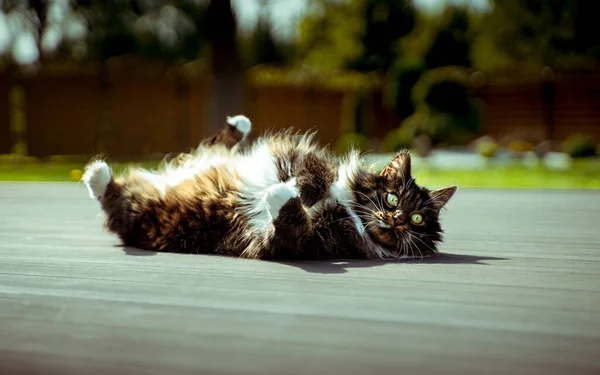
<point x="282" y="196"/>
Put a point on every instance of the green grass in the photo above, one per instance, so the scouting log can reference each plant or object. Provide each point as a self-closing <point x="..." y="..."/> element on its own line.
<point x="512" y="177"/>
<point x="583" y="175"/>
<point x="53" y="172"/>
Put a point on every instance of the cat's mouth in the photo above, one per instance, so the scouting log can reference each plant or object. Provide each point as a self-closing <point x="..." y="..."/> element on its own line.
<point x="391" y="223"/>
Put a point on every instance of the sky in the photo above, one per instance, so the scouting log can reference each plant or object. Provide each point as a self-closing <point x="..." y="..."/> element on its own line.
<point x="17" y="37"/>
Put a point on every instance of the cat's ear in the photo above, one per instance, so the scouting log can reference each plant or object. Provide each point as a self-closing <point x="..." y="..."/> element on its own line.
<point x="398" y="167"/>
<point x="440" y="197"/>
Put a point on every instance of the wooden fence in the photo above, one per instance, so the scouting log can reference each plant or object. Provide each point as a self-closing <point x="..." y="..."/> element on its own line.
<point x="5" y="137"/>
<point x="133" y="113"/>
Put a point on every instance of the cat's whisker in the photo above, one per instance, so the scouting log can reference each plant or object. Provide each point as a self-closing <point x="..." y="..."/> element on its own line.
<point x="363" y="209"/>
<point x="362" y="216"/>
<point x="371" y="200"/>
<point x="380" y="201"/>
<point x="411" y="247"/>
<point x="371" y="223"/>
<point x="402" y="253"/>
<point x="365" y="214"/>
<point x="423" y="242"/>
<point x="415" y="246"/>
<point x="405" y="254"/>
<point x="366" y="196"/>
<point x="399" y="251"/>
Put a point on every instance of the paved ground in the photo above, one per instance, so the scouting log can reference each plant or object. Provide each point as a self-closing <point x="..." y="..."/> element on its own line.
<point x="518" y="292"/>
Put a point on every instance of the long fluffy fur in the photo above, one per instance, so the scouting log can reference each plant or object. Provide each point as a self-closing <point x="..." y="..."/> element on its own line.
<point x="284" y="196"/>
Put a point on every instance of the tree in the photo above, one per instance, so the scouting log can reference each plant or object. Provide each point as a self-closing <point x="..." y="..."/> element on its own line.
<point x="227" y="78"/>
<point x="95" y="29"/>
<point x="543" y="32"/>
<point x="264" y="48"/>
<point x="356" y="34"/>
<point x="385" y="23"/>
<point x="452" y="41"/>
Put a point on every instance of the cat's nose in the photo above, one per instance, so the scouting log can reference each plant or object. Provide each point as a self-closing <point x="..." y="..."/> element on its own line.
<point x="390" y="219"/>
<point x="398" y="218"/>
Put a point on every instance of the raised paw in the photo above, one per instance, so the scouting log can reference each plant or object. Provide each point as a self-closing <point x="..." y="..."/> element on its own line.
<point x="278" y="195"/>
<point x="97" y="176"/>
<point x="241" y="123"/>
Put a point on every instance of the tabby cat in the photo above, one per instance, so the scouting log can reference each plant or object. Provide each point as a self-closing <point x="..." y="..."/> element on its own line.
<point x="281" y="197"/>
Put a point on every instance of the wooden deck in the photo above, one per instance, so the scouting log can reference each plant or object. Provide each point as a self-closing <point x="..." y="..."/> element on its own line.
<point x="517" y="292"/>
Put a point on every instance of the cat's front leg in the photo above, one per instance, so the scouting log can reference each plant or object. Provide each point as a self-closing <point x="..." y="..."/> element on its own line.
<point x="314" y="177"/>
<point x="291" y="224"/>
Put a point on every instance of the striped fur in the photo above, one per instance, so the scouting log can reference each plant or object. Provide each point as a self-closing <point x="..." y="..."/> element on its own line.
<point x="281" y="197"/>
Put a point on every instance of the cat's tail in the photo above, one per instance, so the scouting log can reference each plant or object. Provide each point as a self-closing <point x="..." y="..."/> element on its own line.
<point x="97" y="177"/>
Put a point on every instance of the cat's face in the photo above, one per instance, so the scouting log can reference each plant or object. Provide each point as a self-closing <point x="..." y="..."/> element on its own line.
<point x="398" y="214"/>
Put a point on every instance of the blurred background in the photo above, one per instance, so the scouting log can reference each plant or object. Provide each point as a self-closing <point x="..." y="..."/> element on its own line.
<point x="467" y="85"/>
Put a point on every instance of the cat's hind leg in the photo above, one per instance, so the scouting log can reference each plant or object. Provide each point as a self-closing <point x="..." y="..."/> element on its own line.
<point x="234" y="133"/>
<point x="97" y="177"/>
<point x="124" y="200"/>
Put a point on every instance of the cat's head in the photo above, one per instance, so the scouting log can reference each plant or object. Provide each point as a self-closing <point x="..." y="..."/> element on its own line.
<point x="398" y="214"/>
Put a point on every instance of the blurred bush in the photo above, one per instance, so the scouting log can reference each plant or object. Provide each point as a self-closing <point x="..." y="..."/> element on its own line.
<point x="520" y="146"/>
<point x="451" y="44"/>
<point x="579" y="145"/>
<point x="487" y="147"/>
<point x="400" y="81"/>
<point x="397" y="139"/>
<point x="444" y="89"/>
<point x="544" y="148"/>
<point x="351" y="141"/>
<point x="445" y="112"/>
<point x="444" y="129"/>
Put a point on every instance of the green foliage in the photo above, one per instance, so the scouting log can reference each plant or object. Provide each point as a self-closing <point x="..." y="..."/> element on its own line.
<point x="579" y="145"/>
<point x="397" y="139"/>
<point x="354" y="34"/>
<point x="488" y="149"/>
<point x="543" y="32"/>
<point x="446" y="90"/>
<point x="520" y="146"/>
<point x="351" y="141"/>
<point x="330" y="34"/>
<point x="262" y="47"/>
<point x="443" y="128"/>
<point x="451" y="44"/>
<point x="445" y="113"/>
<point x="399" y="84"/>
<point x="436" y="41"/>
<point x="385" y="23"/>
<point x="165" y="30"/>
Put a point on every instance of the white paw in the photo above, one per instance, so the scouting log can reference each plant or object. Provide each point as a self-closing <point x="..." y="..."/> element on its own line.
<point x="241" y="123"/>
<point x="96" y="177"/>
<point x="278" y="195"/>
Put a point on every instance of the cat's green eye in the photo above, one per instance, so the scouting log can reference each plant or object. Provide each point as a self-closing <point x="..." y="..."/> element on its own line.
<point x="391" y="199"/>
<point x="416" y="218"/>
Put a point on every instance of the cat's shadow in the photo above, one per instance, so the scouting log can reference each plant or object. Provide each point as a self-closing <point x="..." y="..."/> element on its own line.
<point x="136" y="252"/>
<point x="342" y="266"/>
